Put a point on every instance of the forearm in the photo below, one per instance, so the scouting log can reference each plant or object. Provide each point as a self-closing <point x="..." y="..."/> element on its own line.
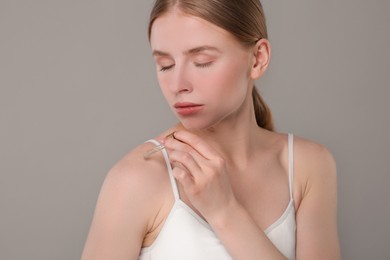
<point x="242" y="237"/>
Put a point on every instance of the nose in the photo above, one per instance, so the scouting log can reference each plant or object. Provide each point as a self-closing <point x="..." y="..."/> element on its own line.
<point x="180" y="82"/>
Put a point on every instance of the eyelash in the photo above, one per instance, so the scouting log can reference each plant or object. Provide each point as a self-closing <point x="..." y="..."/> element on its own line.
<point x="199" y="65"/>
<point x="166" y="68"/>
<point x="203" y="65"/>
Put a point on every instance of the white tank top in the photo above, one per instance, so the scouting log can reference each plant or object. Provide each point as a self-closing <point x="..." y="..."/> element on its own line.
<point x="186" y="235"/>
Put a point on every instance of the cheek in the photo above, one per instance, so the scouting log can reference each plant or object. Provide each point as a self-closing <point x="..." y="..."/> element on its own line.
<point x="230" y="81"/>
<point x="163" y="82"/>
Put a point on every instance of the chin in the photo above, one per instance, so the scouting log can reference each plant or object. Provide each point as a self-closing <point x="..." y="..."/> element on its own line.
<point x="196" y="124"/>
<point x="192" y="126"/>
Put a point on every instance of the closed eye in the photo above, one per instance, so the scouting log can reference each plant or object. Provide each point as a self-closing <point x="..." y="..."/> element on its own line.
<point x="203" y="65"/>
<point x="165" y="68"/>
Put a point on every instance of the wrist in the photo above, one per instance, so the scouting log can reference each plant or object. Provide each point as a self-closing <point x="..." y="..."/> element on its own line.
<point x="222" y="218"/>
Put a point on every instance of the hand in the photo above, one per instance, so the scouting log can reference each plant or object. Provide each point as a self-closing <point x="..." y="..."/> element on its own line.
<point x="202" y="173"/>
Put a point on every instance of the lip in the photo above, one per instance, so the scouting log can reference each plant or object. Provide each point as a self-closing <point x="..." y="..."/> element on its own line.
<point x="187" y="108"/>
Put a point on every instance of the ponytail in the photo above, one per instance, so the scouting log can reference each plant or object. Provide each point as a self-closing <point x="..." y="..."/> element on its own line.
<point x="262" y="112"/>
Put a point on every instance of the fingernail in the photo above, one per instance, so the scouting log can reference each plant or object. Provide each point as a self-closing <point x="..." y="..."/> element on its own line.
<point x="171" y="135"/>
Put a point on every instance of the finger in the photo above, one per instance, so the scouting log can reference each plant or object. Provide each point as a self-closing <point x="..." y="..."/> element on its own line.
<point x="177" y="145"/>
<point x="196" y="143"/>
<point x="186" y="160"/>
<point x="183" y="177"/>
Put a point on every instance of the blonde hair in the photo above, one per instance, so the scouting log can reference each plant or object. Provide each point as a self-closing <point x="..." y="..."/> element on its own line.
<point x="244" y="19"/>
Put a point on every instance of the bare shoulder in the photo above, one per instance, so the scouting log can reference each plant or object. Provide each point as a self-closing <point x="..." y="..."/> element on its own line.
<point x="314" y="166"/>
<point x="134" y="170"/>
<point x="132" y="195"/>
<point x="145" y="181"/>
<point x="313" y="157"/>
<point x="315" y="193"/>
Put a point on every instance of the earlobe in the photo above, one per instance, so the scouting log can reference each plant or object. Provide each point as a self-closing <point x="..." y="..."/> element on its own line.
<point x="261" y="55"/>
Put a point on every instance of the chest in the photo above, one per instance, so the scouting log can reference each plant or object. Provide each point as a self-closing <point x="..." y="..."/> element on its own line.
<point x="263" y="190"/>
<point x="265" y="197"/>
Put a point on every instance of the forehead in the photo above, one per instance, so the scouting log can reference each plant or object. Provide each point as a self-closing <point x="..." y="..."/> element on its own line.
<point x="178" y="30"/>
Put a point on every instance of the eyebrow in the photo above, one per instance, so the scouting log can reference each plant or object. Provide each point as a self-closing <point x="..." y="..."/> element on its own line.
<point x="189" y="52"/>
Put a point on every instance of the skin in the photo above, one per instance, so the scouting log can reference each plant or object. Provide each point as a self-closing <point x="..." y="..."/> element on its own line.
<point x="231" y="172"/>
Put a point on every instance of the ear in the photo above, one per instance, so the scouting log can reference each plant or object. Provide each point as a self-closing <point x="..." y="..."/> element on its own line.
<point x="261" y="58"/>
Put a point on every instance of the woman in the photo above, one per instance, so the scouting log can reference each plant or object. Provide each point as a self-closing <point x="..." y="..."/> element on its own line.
<point x="226" y="186"/>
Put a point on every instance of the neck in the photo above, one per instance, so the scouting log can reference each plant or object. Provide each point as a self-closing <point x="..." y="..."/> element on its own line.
<point x="236" y="137"/>
<point x="234" y="142"/>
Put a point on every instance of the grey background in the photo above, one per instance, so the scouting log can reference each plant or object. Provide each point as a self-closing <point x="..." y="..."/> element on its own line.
<point x="78" y="90"/>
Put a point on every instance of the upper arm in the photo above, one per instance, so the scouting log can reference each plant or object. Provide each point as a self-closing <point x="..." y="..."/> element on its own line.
<point x="121" y="216"/>
<point x="316" y="215"/>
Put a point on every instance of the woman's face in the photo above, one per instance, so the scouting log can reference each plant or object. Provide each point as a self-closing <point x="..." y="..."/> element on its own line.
<point x="203" y="71"/>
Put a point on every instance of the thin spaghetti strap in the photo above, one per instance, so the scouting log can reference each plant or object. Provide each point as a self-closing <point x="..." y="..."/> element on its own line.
<point x="169" y="167"/>
<point x="291" y="164"/>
